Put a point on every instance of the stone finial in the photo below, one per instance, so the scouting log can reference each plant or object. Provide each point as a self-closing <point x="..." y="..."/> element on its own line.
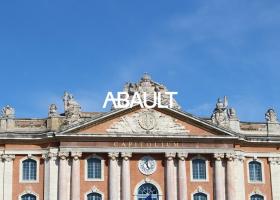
<point x="53" y="110"/>
<point x="71" y="108"/>
<point x="271" y="116"/>
<point x="8" y="112"/>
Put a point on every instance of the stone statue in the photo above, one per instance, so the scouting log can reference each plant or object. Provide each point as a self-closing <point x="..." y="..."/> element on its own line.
<point x="222" y="114"/>
<point x="271" y="116"/>
<point x="72" y="109"/>
<point x="53" y="110"/>
<point x="148" y="86"/>
<point x="8" y="112"/>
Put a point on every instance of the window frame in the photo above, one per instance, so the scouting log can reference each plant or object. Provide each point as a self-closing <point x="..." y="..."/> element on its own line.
<point x="262" y="170"/>
<point x="94" y="189"/>
<point x="257" y="193"/>
<point x="206" y="169"/>
<point x="37" y="160"/>
<point x="200" y="190"/>
<point x="28" y="192"/>
<point x="102" y="168"/>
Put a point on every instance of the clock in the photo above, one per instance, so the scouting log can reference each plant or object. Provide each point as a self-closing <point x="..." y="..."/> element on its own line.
<point x="147" y="165"/>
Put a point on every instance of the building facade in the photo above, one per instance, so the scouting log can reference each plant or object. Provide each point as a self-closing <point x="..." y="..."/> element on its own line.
<point x="139" y="153"/>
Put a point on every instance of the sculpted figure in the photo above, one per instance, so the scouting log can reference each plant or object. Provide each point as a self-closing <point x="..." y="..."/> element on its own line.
<point x="220" y="114"/>
<point x="72" y="109"/>
<point x="271" y="116"/>
<point x="8" y="112"/>
<point x="53" y="110"/>
<point x="147" y="88"/>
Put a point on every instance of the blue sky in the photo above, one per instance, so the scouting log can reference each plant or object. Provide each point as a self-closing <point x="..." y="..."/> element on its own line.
<point x="202" y="49"/>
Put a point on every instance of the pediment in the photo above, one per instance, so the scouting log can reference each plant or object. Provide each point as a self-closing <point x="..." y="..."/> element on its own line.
<point x="137" y="121"/>
<point x="147" y="121"/>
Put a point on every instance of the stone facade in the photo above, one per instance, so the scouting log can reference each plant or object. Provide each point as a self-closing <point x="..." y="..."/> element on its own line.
<point x="166" y="141"/>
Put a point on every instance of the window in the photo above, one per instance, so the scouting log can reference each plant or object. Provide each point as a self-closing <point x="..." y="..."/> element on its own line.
<point x="94" y="168"/>
<point x="257" y="197"/>
<point x="255" y="171"/>
<point x="28" y="197"/>
<point x="147" y="191"/>
<point x="29" y="170"/>
<point x="94" y="196"/>
<point x="199" y="169"/>
<point x="199" y="196"/>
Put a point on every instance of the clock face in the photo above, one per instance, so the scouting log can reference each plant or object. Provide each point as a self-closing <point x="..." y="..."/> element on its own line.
<point x="147" y="165"/>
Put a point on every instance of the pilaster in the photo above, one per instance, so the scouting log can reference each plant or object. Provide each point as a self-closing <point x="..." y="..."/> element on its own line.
<point x="8" y="176"/>
<point x="75" y="187"/>
<point x="63" y="176"/>
<point x="274" y="163"/>
<point x="182" y="177"/>
<point x="125" y="176"/>
<point x="219" y="177"/>
<point x="170" y="180"/>
<point x="113" y="176"/>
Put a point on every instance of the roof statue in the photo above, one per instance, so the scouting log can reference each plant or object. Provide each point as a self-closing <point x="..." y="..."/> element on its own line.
<point x="72" y="109"/>
<point x="150" y="87"/>
<point x="271" y="116"/>
<point x="53" y="110"/>
<point x="8" y="112"/>
<point x="222" y="114"/>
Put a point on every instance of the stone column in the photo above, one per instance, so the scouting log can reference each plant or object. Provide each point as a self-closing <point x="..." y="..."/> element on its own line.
<point x="182" y="184"/>
<point x="235" y="177"/>
<point x="220" y="193"/>
<point x="75" y="187"/>
<point x="275" y="177"/>
<point x="125" y="176"/>
<point x="113" y="176"/>
<point x="8" y="176"/>
<point x="51" y="176"/>
<point x="62" y="179"/>
<point x="170" y="182"/>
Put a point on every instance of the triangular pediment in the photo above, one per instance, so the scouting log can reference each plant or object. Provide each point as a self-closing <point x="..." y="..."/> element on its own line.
<point x="138" y="121"/>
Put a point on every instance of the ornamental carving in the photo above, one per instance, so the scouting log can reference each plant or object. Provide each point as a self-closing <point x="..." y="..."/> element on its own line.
<point x="147" y="121"/>
<point x="149" y="87"/>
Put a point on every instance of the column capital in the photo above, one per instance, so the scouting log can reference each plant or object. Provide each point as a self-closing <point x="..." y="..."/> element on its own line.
<point x="182" y="156"/>
<point x="113" y="155"/>
<point x="170" y="155"/>
<point x="76" y="155"/>
<point x="219" y="156"/>
<point x="274" y="160"/>
<point x="63" y="155"/>
<point x="235" y="157"/>
<point x="126" y="155"/>
<point x="8" y="157"/>
<point x="49" y="156"/>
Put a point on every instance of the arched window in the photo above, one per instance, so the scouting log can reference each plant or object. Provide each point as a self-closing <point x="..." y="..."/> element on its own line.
<point x="94" y="196"/>
<point x="147" y="191"/>
<point x="28" y="197"/>
<point x="199" y="169"/>
<point x="29" y="170"/>
<point x="94" y="168"/>
<point x="257" y="197"/>
<point x="255" y="171"/>
<point x="200" y="196"/>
